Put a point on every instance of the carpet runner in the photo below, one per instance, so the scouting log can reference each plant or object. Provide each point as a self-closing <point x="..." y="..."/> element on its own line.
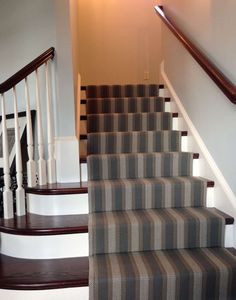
<point x="151" y="235"/>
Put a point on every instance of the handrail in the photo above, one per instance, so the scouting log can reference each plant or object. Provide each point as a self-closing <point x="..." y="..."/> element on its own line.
<point x="226" y="86"/>
<point x="27" y="70"/>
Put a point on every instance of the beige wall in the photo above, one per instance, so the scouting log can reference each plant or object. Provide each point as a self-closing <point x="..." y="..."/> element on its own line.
<point x="211" y="24"/>
<point x="119" y="41"/>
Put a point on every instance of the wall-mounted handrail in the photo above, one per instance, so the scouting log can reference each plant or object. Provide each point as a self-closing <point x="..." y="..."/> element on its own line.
<point x="27" y="70"/>
<point x="226" y="86"/>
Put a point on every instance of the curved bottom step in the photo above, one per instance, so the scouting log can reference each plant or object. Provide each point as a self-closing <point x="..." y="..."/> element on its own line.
<point x="29" y="274"/>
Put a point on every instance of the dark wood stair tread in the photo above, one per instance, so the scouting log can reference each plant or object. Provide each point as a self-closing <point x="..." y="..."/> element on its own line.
<point x="84" y="101"/>
<point x="84" y="87"/>
<point x="85" y="136"/>
<point x="32" y="224"/>
<point x="83" y="158"/>
<point x="59" y="189"/>
<point x="228" y="219"/>
<point x="39" y="274"/>
<point x="84" y="117"/>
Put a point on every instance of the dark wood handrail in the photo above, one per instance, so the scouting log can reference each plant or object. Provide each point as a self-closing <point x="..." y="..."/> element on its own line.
<point x="226" y="86"/>
<point x="27" y="70"/>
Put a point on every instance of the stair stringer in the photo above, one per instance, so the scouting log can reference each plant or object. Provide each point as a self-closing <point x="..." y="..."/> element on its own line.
<point x="223" y="197"/>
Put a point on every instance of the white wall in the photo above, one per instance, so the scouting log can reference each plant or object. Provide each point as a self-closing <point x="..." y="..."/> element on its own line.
<point x="29" y="27"/>
<point x="211" y="24"/>
<point x="64" y="69"/>
<point x="119" y="41"/>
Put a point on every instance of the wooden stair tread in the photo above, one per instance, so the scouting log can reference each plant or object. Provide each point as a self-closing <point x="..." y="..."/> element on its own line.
<point x="32" y="224"/>
<point x="59" y="189"/>
<point x="38" y="274"/>
<point x="84" y="87"/>
<point x="85" y="136"/>
<point x="84" y="117"/>
<point x="83" y="157"/>
<point x="84" y="101"/>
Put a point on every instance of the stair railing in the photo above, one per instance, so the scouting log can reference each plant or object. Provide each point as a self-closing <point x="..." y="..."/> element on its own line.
<point x="46" y="170"/>
<point x="226" y="86"/>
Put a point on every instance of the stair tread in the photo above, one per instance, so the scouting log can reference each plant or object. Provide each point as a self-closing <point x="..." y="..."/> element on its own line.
<point x="189" y="273"/>
<point x="59" y="188"/>
<point x="146" y="193"/>
<point x="134" y="142"/>
<point x="33" y="224"/>
<point x="85" y="136"/>
<point x="38" y="274"/>
<point x="118" y="90"/>
<point x="140" y="165"/>
<point x="119" y="216"/>
<point x="155" y="229"/>
<point x="125" y="105"/>
<point x="107" y="115"/>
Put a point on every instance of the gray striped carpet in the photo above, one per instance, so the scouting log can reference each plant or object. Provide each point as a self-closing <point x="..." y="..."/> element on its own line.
<point x="134" y="142"/>
<point x="146" y="193"/>
<point x="128" y="90"/>
<point x="129" y="122"/>
<point x="151" y="236"/>
<point x="183" y="274"/>
<point x="125" y="105"/>
<point x="139" y="165"/>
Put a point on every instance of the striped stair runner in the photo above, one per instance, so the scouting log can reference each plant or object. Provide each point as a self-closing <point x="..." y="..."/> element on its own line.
<point x="151" y="235"/>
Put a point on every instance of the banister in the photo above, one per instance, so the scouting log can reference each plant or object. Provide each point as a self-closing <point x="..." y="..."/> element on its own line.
<point x="226" y="86"/>
<point x="27" y="70"/>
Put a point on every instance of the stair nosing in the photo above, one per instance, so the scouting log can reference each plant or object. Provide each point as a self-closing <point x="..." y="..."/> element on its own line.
<point x="84" y="101"/>
<point x="83" y="158"/>
<point x="85" y="117"/>
<point x="85" y="135"/>
<point x="68" y="225"/>
<point x="58" y="189"/>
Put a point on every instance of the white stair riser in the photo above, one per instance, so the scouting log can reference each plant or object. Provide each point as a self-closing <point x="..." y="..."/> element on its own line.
<point x="44" y="247"/>
<point x="81" y="293"/>
<point x="59" y="246"/>
<point x="55" y="205"/>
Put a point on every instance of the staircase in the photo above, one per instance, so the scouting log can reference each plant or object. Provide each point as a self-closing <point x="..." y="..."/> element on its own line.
<point x="151" y="234"/>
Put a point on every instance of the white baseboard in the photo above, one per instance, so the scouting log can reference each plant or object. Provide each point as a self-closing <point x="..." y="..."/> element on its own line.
<point x="67" y="159"/>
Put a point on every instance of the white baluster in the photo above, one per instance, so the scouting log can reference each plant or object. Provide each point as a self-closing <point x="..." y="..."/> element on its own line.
<point x="20" y="192"/>
<point x="51" y="162"/>
<point x="7" y="193"/>
<point x="31" y="165"/>
<point x="41" y="161"/>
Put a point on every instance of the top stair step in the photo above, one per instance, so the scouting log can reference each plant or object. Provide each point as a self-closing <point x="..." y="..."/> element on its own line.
<point x="128" y="90"/>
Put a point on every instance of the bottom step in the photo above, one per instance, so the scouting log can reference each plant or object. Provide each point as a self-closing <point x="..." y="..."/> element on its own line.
<point x="33" y="274"/>
<point x="203" y="273"/>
